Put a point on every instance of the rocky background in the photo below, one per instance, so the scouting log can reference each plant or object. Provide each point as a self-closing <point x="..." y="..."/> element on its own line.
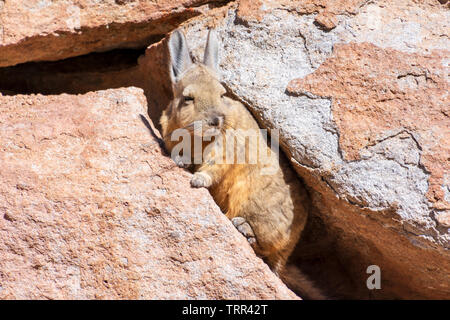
<point x="92" y="207"/>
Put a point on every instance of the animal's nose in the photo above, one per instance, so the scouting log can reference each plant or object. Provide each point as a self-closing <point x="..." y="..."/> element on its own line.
<point x="215" y="121"/>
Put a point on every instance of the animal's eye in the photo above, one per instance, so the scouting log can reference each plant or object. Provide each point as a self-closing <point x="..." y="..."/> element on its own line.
<point x="187" y="98"/>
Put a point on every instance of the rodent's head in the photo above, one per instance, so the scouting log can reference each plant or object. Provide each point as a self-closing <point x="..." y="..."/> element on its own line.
<point x="198" y="94"/>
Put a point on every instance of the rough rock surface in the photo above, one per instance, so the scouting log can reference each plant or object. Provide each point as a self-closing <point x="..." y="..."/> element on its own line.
<point x="35" y="30"/>
<point x="358" y="90"/>
<point x="90" y="207"/>
<point x="326" y="11"/>
<point x="391" y="104"/>
<point x="367" y="130"/>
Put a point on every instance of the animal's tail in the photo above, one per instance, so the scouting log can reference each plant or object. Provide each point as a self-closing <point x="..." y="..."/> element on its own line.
<point x="298" y="282"/>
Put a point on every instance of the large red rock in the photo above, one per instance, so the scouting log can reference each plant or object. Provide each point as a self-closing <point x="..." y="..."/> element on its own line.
<point x="90" y="207"/>
<point x="381" y="99"/>
<point x="33" y="30"/>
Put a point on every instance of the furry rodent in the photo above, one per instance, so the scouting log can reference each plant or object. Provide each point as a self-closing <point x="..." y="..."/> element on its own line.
<point x="269" y="209"/>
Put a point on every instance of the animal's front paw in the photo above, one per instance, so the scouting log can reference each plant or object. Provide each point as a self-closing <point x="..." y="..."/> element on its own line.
<point x="243" y="227"/>
<point x="201" y="179"/>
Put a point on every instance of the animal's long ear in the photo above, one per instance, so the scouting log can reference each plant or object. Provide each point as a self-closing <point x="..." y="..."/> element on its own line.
<point x="180" y="60"/>
<point x="211" y="58"/>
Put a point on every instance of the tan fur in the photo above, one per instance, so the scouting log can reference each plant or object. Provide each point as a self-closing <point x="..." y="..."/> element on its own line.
<point x="275" y="206"/>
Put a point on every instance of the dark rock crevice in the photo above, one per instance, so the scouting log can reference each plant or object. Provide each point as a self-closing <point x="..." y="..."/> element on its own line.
<point x="92" y="72"/>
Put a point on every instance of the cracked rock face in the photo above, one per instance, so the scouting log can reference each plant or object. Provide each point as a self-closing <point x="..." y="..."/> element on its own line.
<point x="378" y="94"/>
<point x="90" y="207"/>
<point x="364" y="118"/>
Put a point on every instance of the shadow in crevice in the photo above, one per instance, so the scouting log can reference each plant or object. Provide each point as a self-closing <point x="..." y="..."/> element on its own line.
<point x="153" y="133"/>
<point x="92" y="72"/>
<point x="317" y="256"/>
